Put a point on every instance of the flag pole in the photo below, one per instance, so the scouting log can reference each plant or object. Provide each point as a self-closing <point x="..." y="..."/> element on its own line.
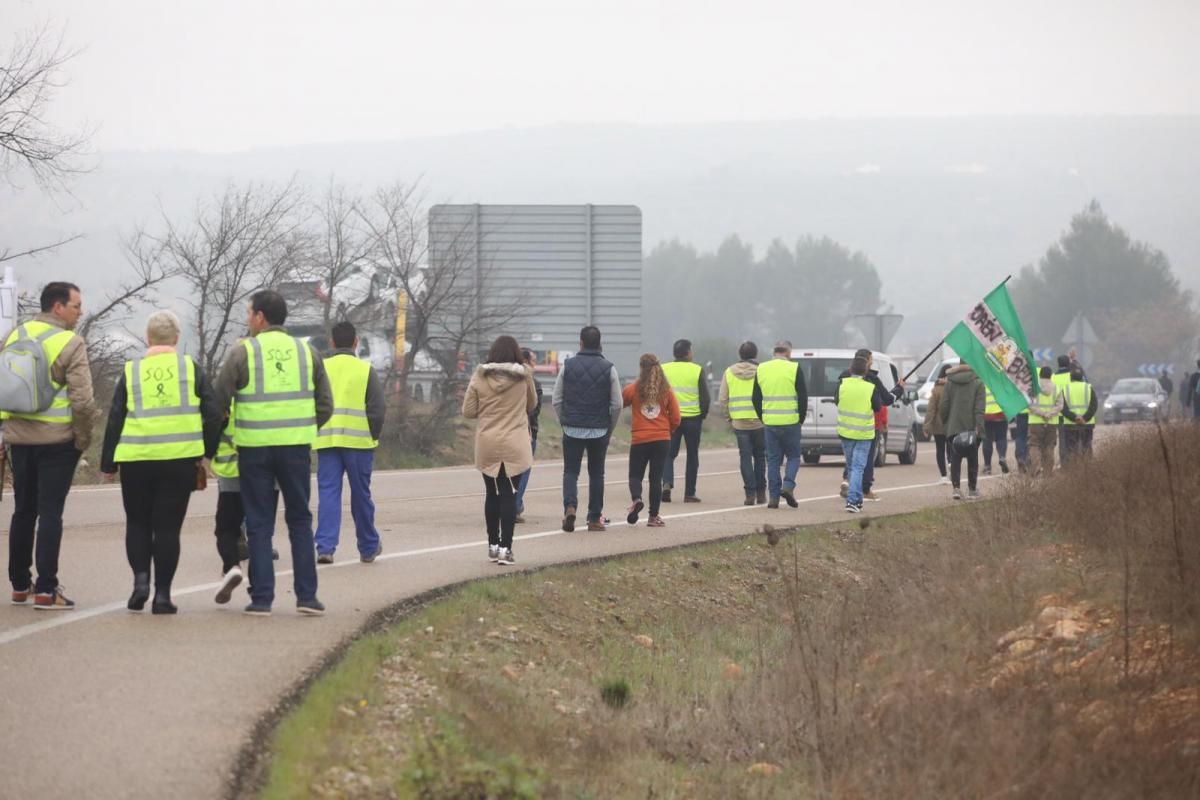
<point x="938" y="346"/>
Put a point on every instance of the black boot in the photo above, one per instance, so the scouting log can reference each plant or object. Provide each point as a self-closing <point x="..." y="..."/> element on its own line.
<point x="162" y="602"/>
<point x="141" y="591"/>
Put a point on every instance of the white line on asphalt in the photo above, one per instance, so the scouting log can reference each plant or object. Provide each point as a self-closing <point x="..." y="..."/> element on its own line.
<point x="69" y="617"/>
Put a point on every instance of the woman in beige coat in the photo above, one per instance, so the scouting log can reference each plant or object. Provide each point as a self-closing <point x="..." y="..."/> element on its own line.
<point x="500" y="396"/>
<point x="933" y="427"/>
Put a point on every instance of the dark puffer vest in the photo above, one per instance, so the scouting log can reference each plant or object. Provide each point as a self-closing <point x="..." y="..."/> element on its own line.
<point x="587" y="390"/>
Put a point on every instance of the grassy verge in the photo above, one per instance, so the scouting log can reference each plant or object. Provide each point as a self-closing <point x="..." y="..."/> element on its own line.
<point x="1044" y="645"/>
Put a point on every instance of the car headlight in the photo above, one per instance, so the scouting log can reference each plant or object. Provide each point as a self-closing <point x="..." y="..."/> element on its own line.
<point x="1108" y="405"/>
<point x="1152" y="404"/>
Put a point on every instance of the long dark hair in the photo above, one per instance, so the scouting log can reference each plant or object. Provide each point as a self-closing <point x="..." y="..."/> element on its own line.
<point x="505" y="350"/>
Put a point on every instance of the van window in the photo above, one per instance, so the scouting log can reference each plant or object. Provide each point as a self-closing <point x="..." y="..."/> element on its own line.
<point x="821" y="374"/>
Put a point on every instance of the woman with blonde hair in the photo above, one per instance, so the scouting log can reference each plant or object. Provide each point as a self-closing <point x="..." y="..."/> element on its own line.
<point x="655" y="418"/>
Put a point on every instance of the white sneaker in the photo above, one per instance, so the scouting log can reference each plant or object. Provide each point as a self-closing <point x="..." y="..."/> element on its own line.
<point x="231" y="581"/>
<point x="845" y="488"/>
<point x="506" y="557"/>
<point x="494" y="552"/>
<point x="945" y="481"/>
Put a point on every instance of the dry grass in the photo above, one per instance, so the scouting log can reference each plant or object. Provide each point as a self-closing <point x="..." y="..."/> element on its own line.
<point x="1045" y="645"/>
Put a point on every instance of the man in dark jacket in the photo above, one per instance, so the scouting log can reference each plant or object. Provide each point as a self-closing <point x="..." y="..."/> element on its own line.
<point x="1193" y="392"/>
<point x="587" y="399"/>
<point x="883" y="398"/>
<point x="531" y="362"/>
<point x="1079" y="413"/>
<point x="961" y="410"/>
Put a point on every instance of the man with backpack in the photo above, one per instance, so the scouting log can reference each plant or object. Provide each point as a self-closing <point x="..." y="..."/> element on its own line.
<point x="48" y="412"/>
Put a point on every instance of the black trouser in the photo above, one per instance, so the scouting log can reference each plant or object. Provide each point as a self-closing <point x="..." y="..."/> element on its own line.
<point x="653" y="455"/>
<point x="956" y="460"/>
<point x="939" y="443"/>
<point x="42" y="476"/>
<point x="997" y="431"/>
<point x="156" y="495"/>
<point x="500" y="507"/>
<point x="230" y="516"/>
<point x="687" y="433"/>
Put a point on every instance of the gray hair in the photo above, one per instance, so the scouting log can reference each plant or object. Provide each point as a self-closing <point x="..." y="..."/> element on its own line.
<point x="162" y="328"/>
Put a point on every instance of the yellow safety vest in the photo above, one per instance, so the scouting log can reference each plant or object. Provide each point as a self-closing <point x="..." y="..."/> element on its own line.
<point x="856" y="420"/>
<point x="1062" y="380"/>
<point x="162" y="419"/>
<point x="348" y="377"/>
<point x="54" y="340"/>
<point x="1079" y="397"/>
<point x="990" y="404"/>
<point x="684" y="377"/>
<point x="777" y="382"/>
<point x="1045" y="404"/>
<point x="225" y="462"/>
<point x="277" y="407"/>
<point x="741" y="396"/>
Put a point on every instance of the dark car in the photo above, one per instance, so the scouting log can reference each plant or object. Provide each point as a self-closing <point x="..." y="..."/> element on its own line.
<point x="1133" y="399"/>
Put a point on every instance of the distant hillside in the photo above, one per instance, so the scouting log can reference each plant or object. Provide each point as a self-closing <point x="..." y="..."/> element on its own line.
<point x="944" y="207"/>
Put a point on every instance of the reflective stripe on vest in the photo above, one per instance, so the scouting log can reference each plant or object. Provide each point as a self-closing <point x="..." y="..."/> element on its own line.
<point x="741" y="396"/>
<point x="348" y="427"/>
<point x="54" y="340"/>
<point x="1079" y="398"/>
<point x="777" y="382"/>
<point x="1062" y="380"/>
<point x="1045" y="404"/>
<point x="684" y="377"/>
<point x="990" y="404"/>
<point x="277" y="407"/>
<point x="162" y="419"/>
<point x="856" y="420"/>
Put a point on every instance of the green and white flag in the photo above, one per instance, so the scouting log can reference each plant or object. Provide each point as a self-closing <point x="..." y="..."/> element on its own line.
<point x="991" y="340"/>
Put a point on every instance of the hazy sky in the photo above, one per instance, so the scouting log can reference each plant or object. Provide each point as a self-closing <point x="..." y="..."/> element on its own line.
<point x="233" y="74"/>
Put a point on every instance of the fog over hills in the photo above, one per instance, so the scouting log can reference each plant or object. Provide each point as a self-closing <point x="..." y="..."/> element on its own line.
<point x="944" y="207"/>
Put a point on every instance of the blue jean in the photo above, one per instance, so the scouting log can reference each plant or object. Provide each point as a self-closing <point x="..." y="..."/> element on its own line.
<point x="1021" y="440"/>
<point x="597" y="451"/>
<point x="782" y="441"/>
<point x="752" y="449"/>
<point x="261" y="469"/>
<point x="355" y="464"/>
<point x="868" y="478"/>
<point x="857" y="452"/>
<point x="525" y="480"/>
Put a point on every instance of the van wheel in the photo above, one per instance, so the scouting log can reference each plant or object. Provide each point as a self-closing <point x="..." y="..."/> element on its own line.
<point x="881" y="453"/>
<point x="811" y="458"/>
<point x="909" y="456"/>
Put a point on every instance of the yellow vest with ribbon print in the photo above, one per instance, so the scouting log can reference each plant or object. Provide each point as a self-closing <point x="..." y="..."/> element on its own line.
<point x="684" y="377"/>
<point x="162" y="419"/>
<point x="777" y="382"/>
<point x="856" y="420"/>
<point x="741" y="396"/>
<point x="277" y="406"/>
<point x="54" y="340"/>
<point x="348" y="427"/>
<point x="1079" y="397"/>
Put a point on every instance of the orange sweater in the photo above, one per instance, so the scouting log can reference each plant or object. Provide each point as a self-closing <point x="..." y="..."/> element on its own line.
<point x="652" y="423"/>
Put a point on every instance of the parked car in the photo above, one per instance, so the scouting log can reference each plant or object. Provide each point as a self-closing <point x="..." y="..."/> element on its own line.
<point x="821" y="370"/>
<point x="1134" y="399"/>
<point x="921" y="401"/>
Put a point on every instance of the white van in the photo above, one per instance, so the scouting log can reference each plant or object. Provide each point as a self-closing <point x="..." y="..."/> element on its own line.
<point x="821" y="369"/>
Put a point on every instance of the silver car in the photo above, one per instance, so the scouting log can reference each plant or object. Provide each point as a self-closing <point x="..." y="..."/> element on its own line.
<point x="1133" y="400"/>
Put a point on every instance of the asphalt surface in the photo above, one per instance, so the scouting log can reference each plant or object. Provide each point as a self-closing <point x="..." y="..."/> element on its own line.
<point x="103" y="703"/>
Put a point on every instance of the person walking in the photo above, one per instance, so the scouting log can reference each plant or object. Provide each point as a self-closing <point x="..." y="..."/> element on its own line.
<point x="962" y="411"/>
<point x="995" y="425"/>
<point x="282" y="396"/>
<point x="655" y="417"/>
<point x="1044" y="413"/>
<point x="163" y="426"/>
<point x="737" y="398"/>
<point x="1062" y="378"/>
<point x="1080" y="415"/>
<point x="691" y="392"/>
<point x="886" y="399"/>
<point x="1193" y="392"/>
<point x="1185" y="394"/>
<point x="587" y="400"/>
<point x="44" y="449"/>
<point x="857" y="403"/>
<point x="501" y="395"/>
<point x="933" y="427"/>
<point x="781" y="402"/>
<point x="346" y="447"/>
<point x="531" y="362"/>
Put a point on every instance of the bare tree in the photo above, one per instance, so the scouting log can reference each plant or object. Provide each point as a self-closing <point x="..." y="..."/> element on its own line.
<point x="234" y="244"/>
<point x="30" y="74"/>
<point x="343" y="246"/>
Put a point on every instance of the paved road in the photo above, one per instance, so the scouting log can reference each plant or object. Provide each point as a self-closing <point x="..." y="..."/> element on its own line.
<point x="101" y="703"/>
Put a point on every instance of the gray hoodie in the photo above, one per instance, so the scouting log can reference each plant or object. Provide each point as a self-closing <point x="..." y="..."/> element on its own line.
<point x="746" y="370"/>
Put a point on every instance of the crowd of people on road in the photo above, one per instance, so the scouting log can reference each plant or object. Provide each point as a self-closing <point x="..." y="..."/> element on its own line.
<point x="253" y="426"/>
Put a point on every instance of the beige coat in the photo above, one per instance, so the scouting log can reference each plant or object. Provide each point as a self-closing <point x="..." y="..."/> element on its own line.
<point x="501" y="396"/>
